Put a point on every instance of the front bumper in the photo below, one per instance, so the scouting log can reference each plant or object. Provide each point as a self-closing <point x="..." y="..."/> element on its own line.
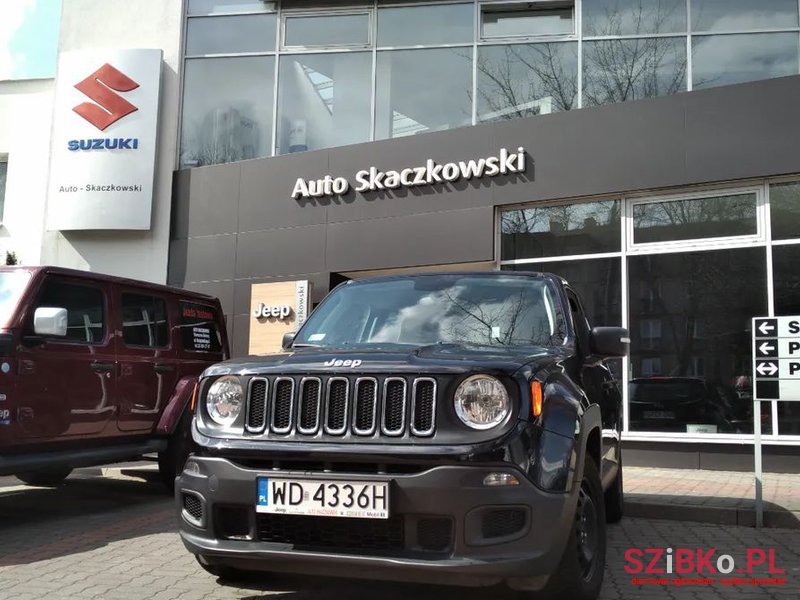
<point x="491" y="534"/>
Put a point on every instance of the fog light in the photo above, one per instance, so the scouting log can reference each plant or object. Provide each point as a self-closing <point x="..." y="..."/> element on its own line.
<point x="500" y="479"/>
<point x="191" y="467"/>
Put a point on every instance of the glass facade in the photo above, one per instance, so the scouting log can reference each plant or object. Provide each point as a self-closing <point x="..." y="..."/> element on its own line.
<point x="685" y="273"/>
<point x="264" y="78"/>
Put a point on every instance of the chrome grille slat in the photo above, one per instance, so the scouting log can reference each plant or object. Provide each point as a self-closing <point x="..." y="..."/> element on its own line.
<point x="282" y="405"/>
<point x="393" y="416"/>
<point x="337" y="398"/>
<point x="423" y="406"/>
<point x="309" y="402"/>
<point x="339" y="405"/>
<point x="257" y="394"/>
<point x="365" y="406"/>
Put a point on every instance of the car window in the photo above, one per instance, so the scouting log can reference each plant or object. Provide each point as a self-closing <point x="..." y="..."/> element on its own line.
<point x="199" y="331"/>
<point x="579" y="321"/>
<point x="144" y="321"/>
<point x="85" y="305"/>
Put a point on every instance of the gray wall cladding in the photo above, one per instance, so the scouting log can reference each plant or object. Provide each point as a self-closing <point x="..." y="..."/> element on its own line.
<point x="236" y="224"/>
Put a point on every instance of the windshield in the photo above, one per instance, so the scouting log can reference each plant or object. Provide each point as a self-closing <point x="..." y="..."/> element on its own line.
<point x="12" y="285"/>
<point x="430" y="309"/>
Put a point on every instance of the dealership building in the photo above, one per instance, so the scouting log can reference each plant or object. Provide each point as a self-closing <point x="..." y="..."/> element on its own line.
<point x="645" y="150"/>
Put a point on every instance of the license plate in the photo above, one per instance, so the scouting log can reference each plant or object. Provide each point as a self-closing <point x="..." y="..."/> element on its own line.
<point x="658" y="414"/>
<point x="353" y="499"/>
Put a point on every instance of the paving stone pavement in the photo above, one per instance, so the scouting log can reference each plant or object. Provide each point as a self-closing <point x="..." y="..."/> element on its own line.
<point x="712" y="496"/>
<point x="115" y="538"/>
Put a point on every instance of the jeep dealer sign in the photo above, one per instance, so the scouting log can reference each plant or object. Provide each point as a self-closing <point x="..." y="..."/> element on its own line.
<point x="104" y="140"/>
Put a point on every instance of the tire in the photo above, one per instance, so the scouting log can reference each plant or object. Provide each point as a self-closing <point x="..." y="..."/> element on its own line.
<point x="579" y="575"/>
<point x="615" y="498"/>
<point x="45" y="477"/>
<point x="179" y="447"/>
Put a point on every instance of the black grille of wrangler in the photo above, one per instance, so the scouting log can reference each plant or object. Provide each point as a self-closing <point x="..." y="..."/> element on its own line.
<point x="339" y="406"/>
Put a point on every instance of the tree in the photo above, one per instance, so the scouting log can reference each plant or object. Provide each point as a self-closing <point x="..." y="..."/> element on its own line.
<point x="521" y="80"/>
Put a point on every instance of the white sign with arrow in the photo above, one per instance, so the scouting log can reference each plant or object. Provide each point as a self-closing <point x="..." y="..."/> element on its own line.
<point x="776" y="376"/>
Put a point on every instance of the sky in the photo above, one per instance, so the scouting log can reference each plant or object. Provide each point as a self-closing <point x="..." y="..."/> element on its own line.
<point x="28" y="38"/>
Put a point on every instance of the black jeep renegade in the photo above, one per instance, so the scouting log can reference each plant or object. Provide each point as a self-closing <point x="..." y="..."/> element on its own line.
<point x="456" y="428"/>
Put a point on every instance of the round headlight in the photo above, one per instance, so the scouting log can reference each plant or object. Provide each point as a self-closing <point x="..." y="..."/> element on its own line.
<point x="482" y="402"/>
<point x="225" y="399"/>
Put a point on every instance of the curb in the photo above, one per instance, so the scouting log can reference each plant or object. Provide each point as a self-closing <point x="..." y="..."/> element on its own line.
<point x="716" y="515"/>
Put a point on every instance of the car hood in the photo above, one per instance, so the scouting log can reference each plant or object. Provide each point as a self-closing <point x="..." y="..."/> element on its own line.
<point x="394" y="358"/>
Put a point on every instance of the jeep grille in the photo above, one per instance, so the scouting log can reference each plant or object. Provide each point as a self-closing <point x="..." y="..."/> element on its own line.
<point x="339" y="406"/>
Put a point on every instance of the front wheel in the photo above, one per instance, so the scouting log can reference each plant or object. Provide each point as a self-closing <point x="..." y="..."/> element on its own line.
<point x="579" y="575"/>
<point x="45" y="477"/>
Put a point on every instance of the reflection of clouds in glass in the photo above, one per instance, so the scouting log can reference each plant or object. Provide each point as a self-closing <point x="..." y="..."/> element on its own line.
<point x="621" y="17"/>
<point x="728" y="59"/>
<point x="412" y="321"/>
<point x="748" y="21"/>
<point x="450" y="316"/>
<point x="14" y="14"/>
<point x="743" y="15"/>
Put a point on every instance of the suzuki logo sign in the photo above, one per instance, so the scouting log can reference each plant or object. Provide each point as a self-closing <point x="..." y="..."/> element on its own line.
<point x="100" y="87"/>
<point x="104" y="139"/>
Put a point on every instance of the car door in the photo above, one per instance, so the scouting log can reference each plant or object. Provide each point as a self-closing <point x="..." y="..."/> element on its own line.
<point x="147" y="359"/>
<point x="66" y="385"/>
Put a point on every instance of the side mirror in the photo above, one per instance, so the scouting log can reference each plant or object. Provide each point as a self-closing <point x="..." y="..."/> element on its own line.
<point x="49" y="320"/>
<point x="610" y="342"/>
<point x="288" y="338"/>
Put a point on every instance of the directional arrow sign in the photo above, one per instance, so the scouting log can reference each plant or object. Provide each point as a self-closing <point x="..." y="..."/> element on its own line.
<point x="767" y="349"/>
<point x="766" y="327"/>
<point x="766" y="368"/>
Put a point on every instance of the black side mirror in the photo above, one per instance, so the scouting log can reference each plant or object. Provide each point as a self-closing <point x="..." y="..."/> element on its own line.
<point x="288" y="338"/>
<point x="610" y="342"/>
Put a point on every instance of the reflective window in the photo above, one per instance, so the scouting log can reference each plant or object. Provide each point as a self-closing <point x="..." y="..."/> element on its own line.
<point x="786" y="279"/>
<point x="12" y="285"/>
<point x="3" y="178"/>
<point x="227" y="110"/>
<point x="687" y="378"/>
<point x="784" y="201"/>
<point x="561" y="230"/>
<point x="632" y="17"/>
<point x="144" y="321"/>
<point x="327" y="30"/>
<point x="85" y="306"/>
<point x="696" y="218"/>
<point x="527" y="19"/>
<point x="211" y="7"/>
<point x="728" y="59"/>
<point x="521" y="80"/>
<point x="738" y="15"/>
<point x="597" y="281"/>
<point x="786" y="287"/>
<point x="621" y="70"/>
<point x="324" y="100"/>
<point x="430" y="24"/>
<point x="220" y="35"/>
<point x="486" y="310"/>
<point x="406" y="106"/>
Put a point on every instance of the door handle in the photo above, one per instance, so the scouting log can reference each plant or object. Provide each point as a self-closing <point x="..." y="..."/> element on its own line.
<point x="163" y="368"/>
<point x="101" y="367"/>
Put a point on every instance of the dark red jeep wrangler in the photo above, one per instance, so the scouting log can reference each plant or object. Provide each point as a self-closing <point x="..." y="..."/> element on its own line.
<point x="97" y="369"/>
